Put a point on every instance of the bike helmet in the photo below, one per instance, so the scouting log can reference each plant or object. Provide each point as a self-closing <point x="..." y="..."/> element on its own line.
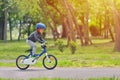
<point x="40" y="25"/>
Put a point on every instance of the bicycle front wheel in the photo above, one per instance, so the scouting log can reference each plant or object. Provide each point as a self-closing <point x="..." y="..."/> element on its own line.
<point x="19" y="63"/>
<point x="49" y="62"/>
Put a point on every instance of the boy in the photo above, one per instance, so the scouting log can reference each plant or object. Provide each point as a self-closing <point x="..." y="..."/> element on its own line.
<point x="36" y="36"/>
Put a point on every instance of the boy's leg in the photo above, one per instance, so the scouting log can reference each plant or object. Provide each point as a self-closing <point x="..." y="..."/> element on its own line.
<point x="33" y="46"/>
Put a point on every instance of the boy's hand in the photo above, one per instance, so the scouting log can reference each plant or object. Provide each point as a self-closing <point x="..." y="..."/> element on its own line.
<point x="43" y="45"/>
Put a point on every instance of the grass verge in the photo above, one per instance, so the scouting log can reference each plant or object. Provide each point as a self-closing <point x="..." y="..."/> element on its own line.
<point x="100" y="54"/>
<point x="113" y="78"/>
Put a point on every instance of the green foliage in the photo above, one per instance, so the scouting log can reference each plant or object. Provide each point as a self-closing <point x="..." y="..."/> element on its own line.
<point x="20" y="9"/>
<point x="60" y="44"/>
<point x="73" y="47"/>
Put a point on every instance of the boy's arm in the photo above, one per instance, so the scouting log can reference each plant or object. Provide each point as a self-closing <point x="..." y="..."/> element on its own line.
<point x="39" y="38"/>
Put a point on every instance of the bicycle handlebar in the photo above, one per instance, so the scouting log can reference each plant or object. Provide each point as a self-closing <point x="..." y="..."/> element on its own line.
<point x="43" y="45"/>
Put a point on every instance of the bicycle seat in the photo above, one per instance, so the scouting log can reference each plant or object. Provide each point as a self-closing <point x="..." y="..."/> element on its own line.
<point x="29" y="50"/>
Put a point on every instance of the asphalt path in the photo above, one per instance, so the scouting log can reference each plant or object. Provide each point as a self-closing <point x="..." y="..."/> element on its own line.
<point x="74" y="73"/>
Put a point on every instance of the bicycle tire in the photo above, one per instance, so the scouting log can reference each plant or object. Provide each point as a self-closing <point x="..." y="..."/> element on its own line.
<point x="54" y="64"/>
<point x="24" y="65"/>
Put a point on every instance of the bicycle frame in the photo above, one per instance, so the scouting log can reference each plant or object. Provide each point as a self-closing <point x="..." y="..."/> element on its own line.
<point x="40" y="54"/>
<point x="29" y="60"/>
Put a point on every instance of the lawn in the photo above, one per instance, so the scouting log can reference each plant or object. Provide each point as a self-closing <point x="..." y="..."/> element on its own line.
<point x="100" y="54"/>
<point x="113" y="78"/>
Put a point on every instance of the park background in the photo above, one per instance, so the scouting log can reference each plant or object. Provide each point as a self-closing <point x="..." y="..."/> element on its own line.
<point x="80" y="33"/>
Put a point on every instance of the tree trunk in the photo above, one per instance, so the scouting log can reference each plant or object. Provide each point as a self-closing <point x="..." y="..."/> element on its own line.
<point x="111" y="34"/>
<point x="110" y="31"/>
<point x="64" y="33"/>
<point x="117" y="31"/>
<point x="2" y="22"/>
<point x="28" y="30"/>
<point x="116" y="18"/>
<point x="76" y="24"/>
<point x="106" y="25"/>
<point x="19" y="31"/>
<point x="71" y="32"/>
<point x="86" y="33"/>
<point x="10" y="32"/>
<point x="81" y="34"/>
<point x="100" y="24"/>
<point x="10" y="28"/>
<point x="41" y="5"/>
<point x="1" y="26"/>
<point x="55" y="32"/>
<point x="5" y="26"/>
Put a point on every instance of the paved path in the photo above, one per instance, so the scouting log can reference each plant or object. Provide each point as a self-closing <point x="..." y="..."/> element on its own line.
<point x="78" y="73"/>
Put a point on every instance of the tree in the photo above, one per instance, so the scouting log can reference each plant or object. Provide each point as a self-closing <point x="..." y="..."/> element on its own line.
<point x="107" y="23"/>
<point x="86" y="33"/>
<point x="28" y="15"/>
<point x="116" y="18"/>
<point x="48" y="18"/>
<point x="12" y="16"/>
<point x="5" y="26"/>
<point x="1" y="24"/>
<point x="69" y="21"/>
<point x="75" y="16"/>
<point x="70" y="26"/>
<point x="3" y="21"/>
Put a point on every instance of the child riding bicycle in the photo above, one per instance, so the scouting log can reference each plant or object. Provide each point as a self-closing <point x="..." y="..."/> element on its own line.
<point x="36" y="36"/>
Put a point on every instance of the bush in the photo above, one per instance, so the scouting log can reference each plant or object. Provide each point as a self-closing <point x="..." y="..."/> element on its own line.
<point x="73" y="47"/>
<point x="94" y="31"/>
<point x="60" y="45"/>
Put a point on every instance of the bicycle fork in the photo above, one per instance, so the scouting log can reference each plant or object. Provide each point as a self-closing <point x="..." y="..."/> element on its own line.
<point x="48" y="58"/>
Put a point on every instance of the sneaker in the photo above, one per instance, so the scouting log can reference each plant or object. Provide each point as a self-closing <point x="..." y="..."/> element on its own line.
<point x="35" y="55"/>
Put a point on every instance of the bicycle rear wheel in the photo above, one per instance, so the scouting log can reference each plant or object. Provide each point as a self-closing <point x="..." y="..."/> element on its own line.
<point x="49" y="62"/>
<point x="19" y="63"/>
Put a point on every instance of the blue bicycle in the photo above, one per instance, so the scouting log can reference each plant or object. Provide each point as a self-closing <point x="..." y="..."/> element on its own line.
<point x="49" y="61"/>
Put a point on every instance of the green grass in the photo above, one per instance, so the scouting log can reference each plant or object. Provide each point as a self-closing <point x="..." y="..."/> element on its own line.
<point x="12" y="64"/>
<point x="113" y="78"/>
<point x="38" y="79"/>
<point x="104" y="78"/>
<point x="100" y="54"/>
